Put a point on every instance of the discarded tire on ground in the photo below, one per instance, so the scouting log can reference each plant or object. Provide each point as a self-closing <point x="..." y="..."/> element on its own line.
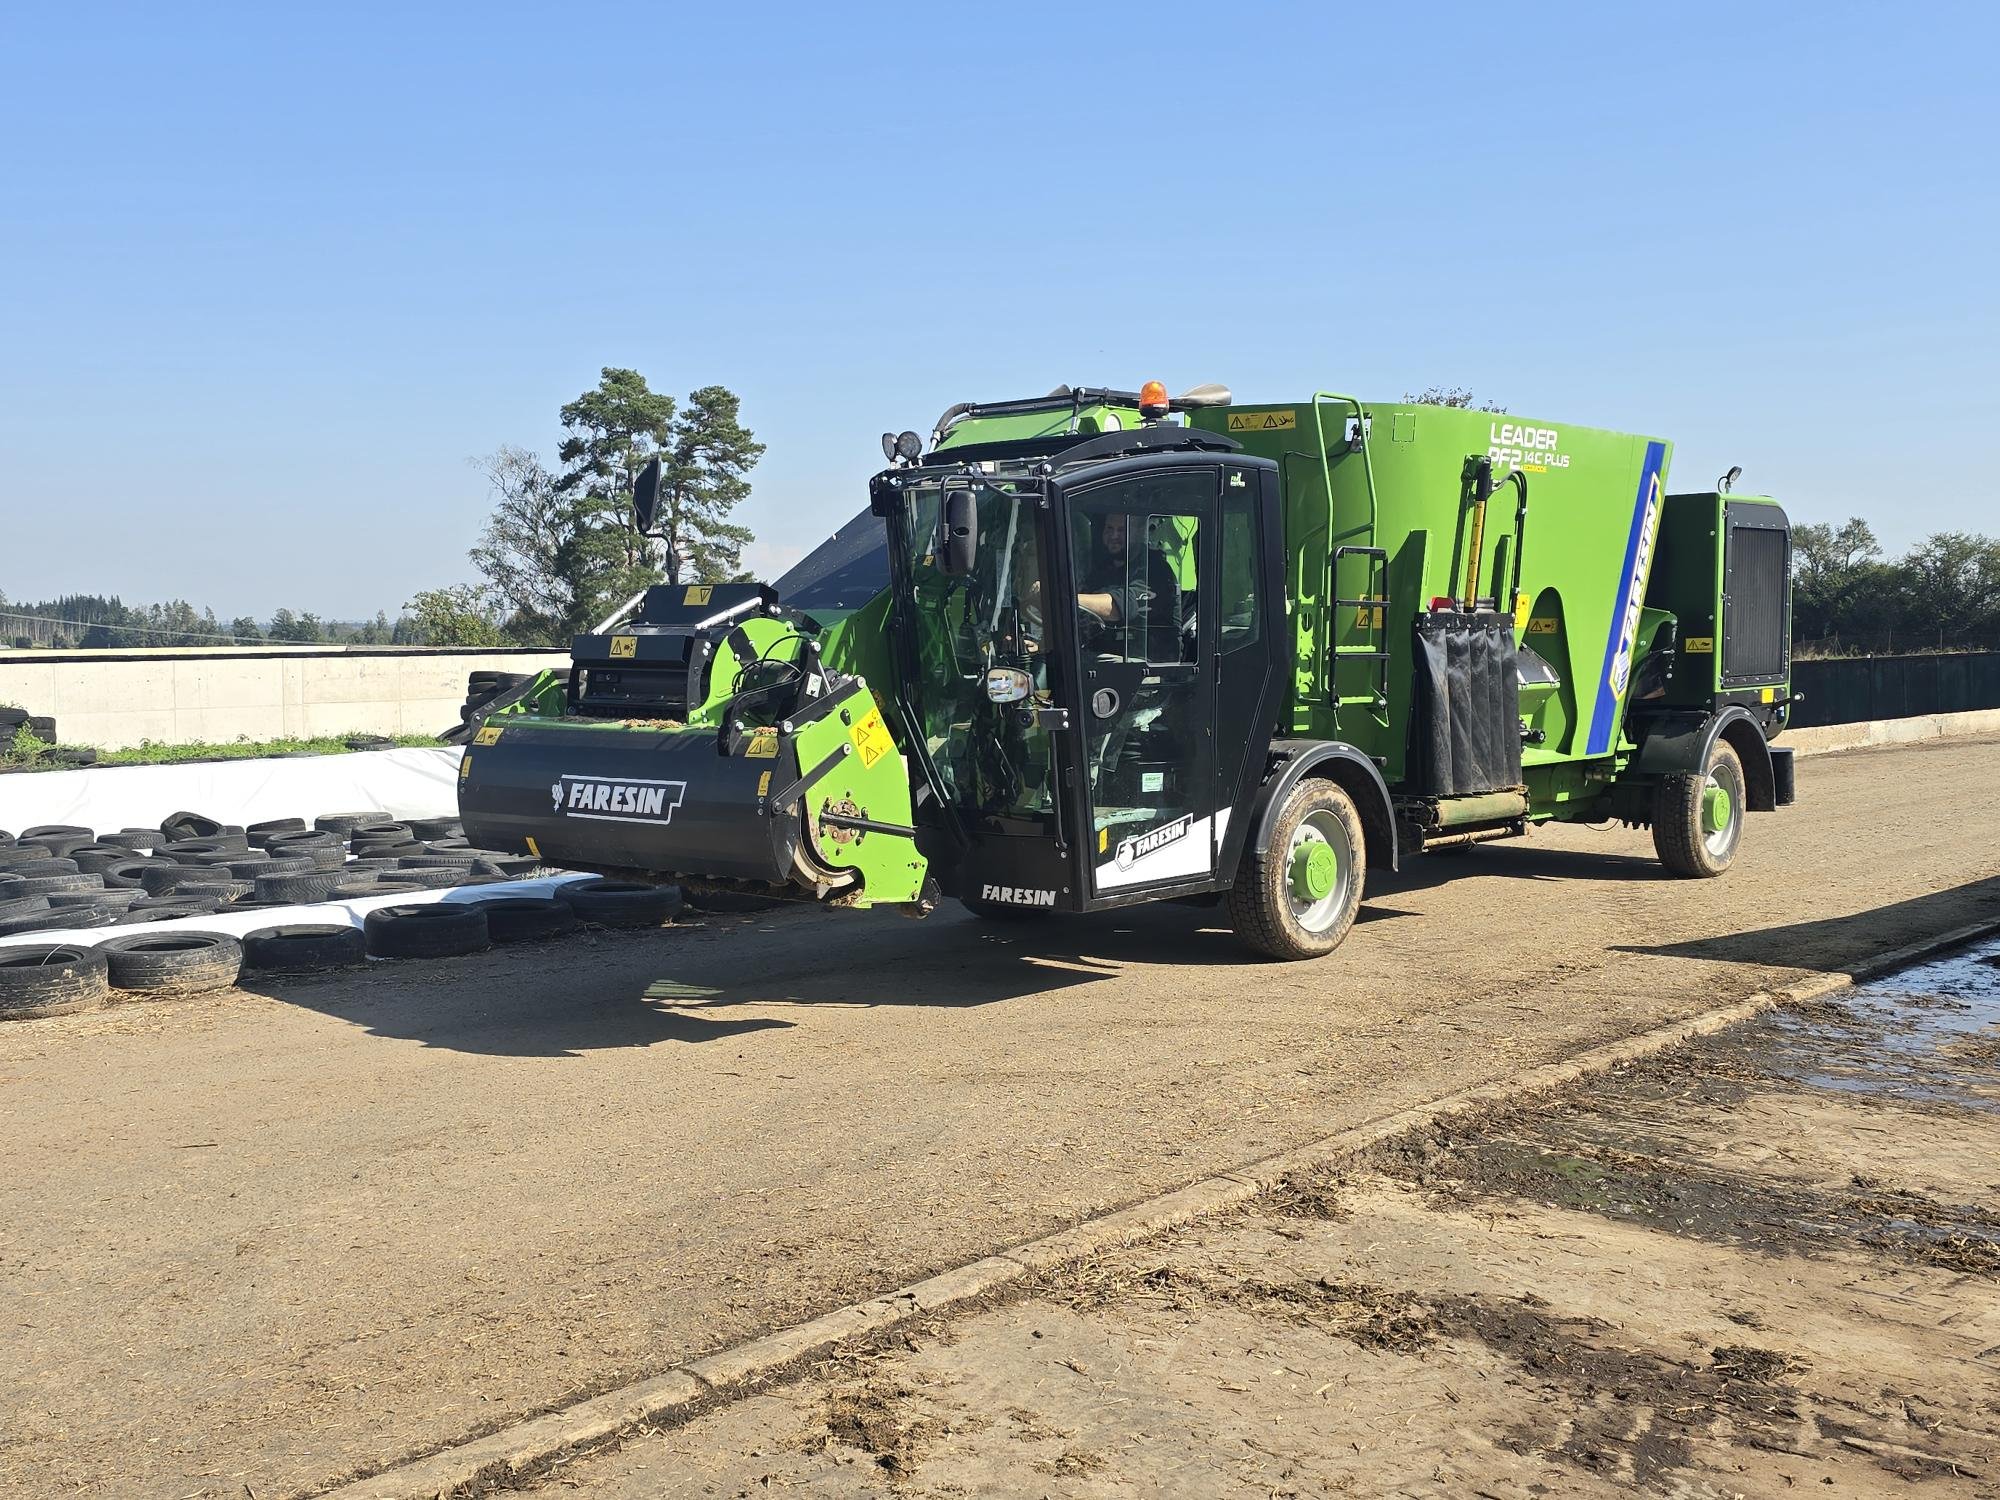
<point x="56" y="919"/>
<point x="621" y="903"/>
<point x="172" y="910"/>
<point x="187" y="825"/>
<point x="527" y="919"/>
<point x="304" y="948"/>
<point x="50" y="979"/>
<point x="48" y="885"/>
<point x="438" y="929"/>
<point x="183" y="962"/>
<point x="301" y="887"/>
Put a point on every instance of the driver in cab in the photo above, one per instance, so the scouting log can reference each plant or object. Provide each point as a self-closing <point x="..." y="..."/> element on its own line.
<point x="1134" y="597"/>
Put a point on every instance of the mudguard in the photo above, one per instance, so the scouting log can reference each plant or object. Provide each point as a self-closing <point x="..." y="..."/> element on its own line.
<point x="1359" y="775"/>
<point x="1679" y="744"/>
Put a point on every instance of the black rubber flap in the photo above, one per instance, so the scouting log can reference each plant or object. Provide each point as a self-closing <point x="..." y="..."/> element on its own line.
<point x="1465" y="733"/>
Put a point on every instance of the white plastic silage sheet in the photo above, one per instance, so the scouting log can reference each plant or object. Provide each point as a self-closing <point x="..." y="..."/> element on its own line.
<point x="414" y="783"/>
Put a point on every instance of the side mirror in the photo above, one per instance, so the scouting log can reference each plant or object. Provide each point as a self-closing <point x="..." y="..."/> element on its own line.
<point x="646" y="496"/>
<point x="958" y="535"/>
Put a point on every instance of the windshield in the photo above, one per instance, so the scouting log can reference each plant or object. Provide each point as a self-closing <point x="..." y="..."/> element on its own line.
<point x="981" y="667"/>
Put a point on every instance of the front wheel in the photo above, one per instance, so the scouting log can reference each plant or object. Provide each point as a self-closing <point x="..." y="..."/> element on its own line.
<point x="1698" y="820"/>
<point x="1298" y="898"/>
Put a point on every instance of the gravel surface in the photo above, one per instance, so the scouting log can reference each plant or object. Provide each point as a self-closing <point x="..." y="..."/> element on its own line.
<point x="267" y="1239"/>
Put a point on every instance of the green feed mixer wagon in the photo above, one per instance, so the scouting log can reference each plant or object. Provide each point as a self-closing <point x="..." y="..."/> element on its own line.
<point x="1102" y="647"/>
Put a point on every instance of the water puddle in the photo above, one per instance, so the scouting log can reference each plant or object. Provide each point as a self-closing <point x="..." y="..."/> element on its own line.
<point x="1928" y="1034"/>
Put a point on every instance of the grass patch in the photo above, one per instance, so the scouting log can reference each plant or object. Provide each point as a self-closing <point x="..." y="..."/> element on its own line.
<point x="27" y="753"/>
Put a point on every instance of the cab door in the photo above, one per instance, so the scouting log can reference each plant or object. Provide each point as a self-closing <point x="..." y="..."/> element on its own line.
<point x="1141" y="545"/>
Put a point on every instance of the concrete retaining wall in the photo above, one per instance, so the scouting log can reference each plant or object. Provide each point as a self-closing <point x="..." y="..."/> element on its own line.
<point x="112" y="699"/>
<point x="1830" y="737"/>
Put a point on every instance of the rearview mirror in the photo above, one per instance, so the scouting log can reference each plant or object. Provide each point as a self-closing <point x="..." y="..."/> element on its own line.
<point x="958" y="533"/>
<point x="646" y="496"/>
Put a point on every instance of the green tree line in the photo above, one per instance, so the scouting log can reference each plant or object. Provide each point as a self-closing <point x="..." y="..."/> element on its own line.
<point x="98" y="622"/>
<point x="1847" y="597"/>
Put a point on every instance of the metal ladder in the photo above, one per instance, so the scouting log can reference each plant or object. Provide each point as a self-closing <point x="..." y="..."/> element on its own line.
<point x="1377" y="606"/>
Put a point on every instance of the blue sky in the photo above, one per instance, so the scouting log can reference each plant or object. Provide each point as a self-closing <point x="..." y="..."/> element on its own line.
<point x="271" y="276"/>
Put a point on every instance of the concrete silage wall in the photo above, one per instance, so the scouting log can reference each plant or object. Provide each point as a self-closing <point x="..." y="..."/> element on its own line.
<point x="114" y="699"/>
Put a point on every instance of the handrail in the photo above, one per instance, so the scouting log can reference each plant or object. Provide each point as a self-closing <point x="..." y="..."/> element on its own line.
<point x="1325" y="651"/>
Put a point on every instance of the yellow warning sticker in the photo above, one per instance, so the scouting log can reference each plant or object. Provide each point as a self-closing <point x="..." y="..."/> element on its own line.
<point x="1542" y="625"/>
<point x="1263" y="421"/>
<point x="532" y="847"/>
<point x="763" y="744"/>
<point x="624" y="645"/>
<point x="1521" y="608"/>
<point x="1368" y="619"/>
<point x="764" y="785"/>
<point x="1699" y="645"/>
<point x="490" y="735"/>
<point x="697" y="593"/>
<point x="1103" y="840"/>
<point x="464" y="767"/>
<point x="871" y="738"/>
<point x="1769" y="695"/>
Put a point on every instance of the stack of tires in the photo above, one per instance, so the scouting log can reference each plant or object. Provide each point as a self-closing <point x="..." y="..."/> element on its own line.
<point x="62" y="877"/>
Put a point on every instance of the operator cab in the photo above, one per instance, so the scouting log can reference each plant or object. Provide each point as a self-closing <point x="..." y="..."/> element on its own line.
<point x="1074" y="616"/>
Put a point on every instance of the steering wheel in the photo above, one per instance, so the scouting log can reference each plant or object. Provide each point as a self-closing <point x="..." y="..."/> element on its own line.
<point x="1089" y="629"/>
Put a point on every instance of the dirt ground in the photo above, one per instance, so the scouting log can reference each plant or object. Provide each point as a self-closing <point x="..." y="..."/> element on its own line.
<point x="1765" y="1263"/>
<point x="263" y="1241"/>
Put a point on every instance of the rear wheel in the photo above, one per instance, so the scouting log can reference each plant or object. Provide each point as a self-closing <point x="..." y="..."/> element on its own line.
<point x="1698" y="820"/>
<point x="1299" y="897"/>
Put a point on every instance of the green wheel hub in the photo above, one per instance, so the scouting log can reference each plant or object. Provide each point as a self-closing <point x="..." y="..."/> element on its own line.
<point x="1716" y="808"/>
<point x="1314" y="870"/>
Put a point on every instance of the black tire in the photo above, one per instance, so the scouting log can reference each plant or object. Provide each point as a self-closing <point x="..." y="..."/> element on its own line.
<point x="57" y="919"/>
<point x="380" y="831"/>
<point x="260" y="834"/>
<point x="527" y="919"/>
<point x="161" y="877"/>
<point x="296" y="888"/>
<point x="364" y="887"/>
<point x="187" y="963"/>
<point x="508" y="866"/>
<point x="462" y="859"/>
<point x="187" y="825"/>
<point x="325" y="848"/>
<point x="51" y="979"/>
<point x="57" y="830"/>
<point x="15" y="855"/>
<point x="438" y="929"/>
<point x="621" y="903"/>
<point x="48" y="885"/>
<point x="1267" y="909"/>
<point x="304" y="948"/>
<point x="20" y="906"/>
<point x="116" y="902"/>
<point x="215" y="851"/>
<point x="1687" y="835"/>
<point x="42" y="727"/>
<point x="428" y="829"/>
<point x="154" y="909"/>
<point x="95" y="859"/>
<point x="345" y="823"/>
<point x="127" y="874"/>
<point x="143" y="839"/>
<point x="61" y="844"/>
<point x="431" y="877"/>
